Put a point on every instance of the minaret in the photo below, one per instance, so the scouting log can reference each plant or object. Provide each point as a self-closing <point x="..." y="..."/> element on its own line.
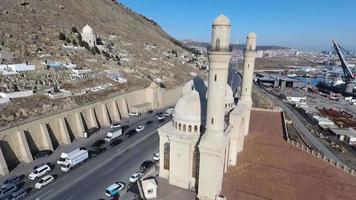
<point x="249" y="64"/>
<point x="219" y="57"/>
<point x="247" y="78"/>
<point x="213" y="146"/>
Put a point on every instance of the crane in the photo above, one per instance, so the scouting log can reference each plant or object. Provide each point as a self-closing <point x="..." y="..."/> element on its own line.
<point x="347" y="72"/>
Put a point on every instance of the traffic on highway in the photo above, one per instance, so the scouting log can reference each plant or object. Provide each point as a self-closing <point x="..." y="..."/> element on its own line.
<point x="118" y="137"/>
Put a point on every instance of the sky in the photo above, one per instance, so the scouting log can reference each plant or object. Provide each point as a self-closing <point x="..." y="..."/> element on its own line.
<point x="299" y="24"/>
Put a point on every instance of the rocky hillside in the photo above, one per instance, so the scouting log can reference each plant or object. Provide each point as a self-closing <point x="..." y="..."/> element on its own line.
<point x="43" y="31"/>
<point x="29" y="31"/>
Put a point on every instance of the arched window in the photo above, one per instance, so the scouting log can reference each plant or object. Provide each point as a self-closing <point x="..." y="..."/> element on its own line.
<point x="184" y="128"/>
<point x="217" y="45"/>
<point x="195" y="128"/>
<point x="166" y="155"/>
<point x="225" y="105"/>
<point x="190" y="128"/>
<point x="215" y="77"/>
<point x="212" y="120"/>
<point x="179" y="126"/>
<point x="250" y="47"/>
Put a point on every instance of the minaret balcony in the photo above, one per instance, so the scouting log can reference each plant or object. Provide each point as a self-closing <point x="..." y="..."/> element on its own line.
<point x="219" y="48"/>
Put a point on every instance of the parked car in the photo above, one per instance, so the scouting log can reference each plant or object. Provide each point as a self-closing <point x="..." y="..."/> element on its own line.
<point x="134" y="114"/>
<point x="115" y="142"/>
<point x="134" y="177"/>
<point x="130" y="133"/>
<point x="94" y="153"/>
<point x="20" y="194"/>
<point x="39" y="171"/>
<point x="145" y="165"/>
<point x="149" y="122"/>
<point x="160" y="116"/>
<point x="7" y="190"/>
<point x="116" y="125"/>
<point x="91" y="131"/>
<point x="44" y="181"/>
<point x="114" y="189"/>
<point x="12" y="180"/>
<point x="139" y="128"/>
<point x="43" y="154"/>
<point x="98" y="144"/>
<point x="156" y="156"/>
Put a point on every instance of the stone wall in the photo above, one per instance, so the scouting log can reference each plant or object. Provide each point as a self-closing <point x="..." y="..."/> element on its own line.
<point x="20" y="143"/>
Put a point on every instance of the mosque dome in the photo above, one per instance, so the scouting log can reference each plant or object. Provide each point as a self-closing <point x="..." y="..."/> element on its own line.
<point x="87" y="30"/>
<point x="188" y="109"/>
<point x="221" y="20"/>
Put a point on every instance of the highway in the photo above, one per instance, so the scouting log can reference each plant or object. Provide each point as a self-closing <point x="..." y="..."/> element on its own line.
<point x="116" y="164"/>
<point x="295" y="116"/>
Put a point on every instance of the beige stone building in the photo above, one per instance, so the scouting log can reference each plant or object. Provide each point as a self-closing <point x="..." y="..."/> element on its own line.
<point x="88" y="35"/>
<point x="208" y="128"/>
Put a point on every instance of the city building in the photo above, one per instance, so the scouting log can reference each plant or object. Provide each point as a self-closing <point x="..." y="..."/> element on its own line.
<point x="88" y="35"/>
<point x="208" y="129"/>
<point x="345" y="134"/>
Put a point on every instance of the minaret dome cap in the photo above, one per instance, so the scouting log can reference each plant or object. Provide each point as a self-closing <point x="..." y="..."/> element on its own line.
<point x="252" y="35"/>
<point x="221" y="20"/>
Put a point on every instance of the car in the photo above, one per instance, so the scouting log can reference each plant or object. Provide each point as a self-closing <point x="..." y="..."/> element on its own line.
<point x="145" y="165"/>
<point x="115" y="142"/>
<point x="91" y="131"/>
<point x="149" y="122"/>
<point x="20" y="194"/>
<point x="116" y="125"/>
<point x="114" y="189"/>
<point x="98" y="144"/>
<point x="134" y="114"/>
<point x="130" y="133"/>
<point x="156" y="156"/>
<point x="7" y="190"/>
<point x="139" y="128"/>
<point x="134" y="177"/>
<point x="169" y="112"/>
<point x="39" y="171"/>
<point x="44" y="181"/>
<point x="12" y="180"/>
<point x="161" y="116"/>
<point x="42" y="154"/>
<point x="95" y="152"/>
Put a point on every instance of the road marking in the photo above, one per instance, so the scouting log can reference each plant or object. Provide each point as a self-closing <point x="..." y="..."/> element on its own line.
<point x="110" y="170"/>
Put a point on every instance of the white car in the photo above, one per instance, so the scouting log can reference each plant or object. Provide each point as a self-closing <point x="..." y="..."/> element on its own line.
<point x="140" y="128"/>
<point x="134" y="114"/>
<point x="39" y="171"/>
<point x="115" y="125"/>
<point x="44" y="181"/>
<point x="156" y="156"/>
<point x="135" y="177"/>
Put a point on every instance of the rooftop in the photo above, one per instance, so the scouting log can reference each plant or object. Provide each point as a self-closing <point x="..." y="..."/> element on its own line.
<point x="271" y="168"/>
<point x="344" y="131"/>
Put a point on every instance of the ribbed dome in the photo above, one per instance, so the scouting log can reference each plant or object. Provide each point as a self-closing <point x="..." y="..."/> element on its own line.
<point x="87" y="30"/>
<point x="221" y="20"/>
<point x="188" y="108"/>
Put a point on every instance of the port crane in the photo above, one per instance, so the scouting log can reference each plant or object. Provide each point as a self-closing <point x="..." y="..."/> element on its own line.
<point x="348" y="75"/>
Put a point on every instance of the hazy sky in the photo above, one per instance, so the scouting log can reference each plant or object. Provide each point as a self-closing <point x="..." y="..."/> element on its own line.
<point x="301" y="24"/>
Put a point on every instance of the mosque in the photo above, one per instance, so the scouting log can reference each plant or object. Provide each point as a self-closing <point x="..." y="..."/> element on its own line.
<point x="208" y="128"/>
<point x="89" y="36"/>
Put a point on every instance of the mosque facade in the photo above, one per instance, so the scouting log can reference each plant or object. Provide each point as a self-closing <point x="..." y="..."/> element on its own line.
<point x="208" y="129"/>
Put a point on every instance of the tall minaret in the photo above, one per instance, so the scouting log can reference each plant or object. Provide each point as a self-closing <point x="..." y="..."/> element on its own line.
<point x="249" y="64"/>
<point x="219" y="57"/>
<point x="247" y="78"/>
<point x="213" y="147"/>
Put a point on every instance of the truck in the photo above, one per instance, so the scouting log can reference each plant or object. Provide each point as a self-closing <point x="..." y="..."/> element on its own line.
<point x="74" y="160"/>
<point x="114" y="133"/>
<point x="64" y="155"/>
